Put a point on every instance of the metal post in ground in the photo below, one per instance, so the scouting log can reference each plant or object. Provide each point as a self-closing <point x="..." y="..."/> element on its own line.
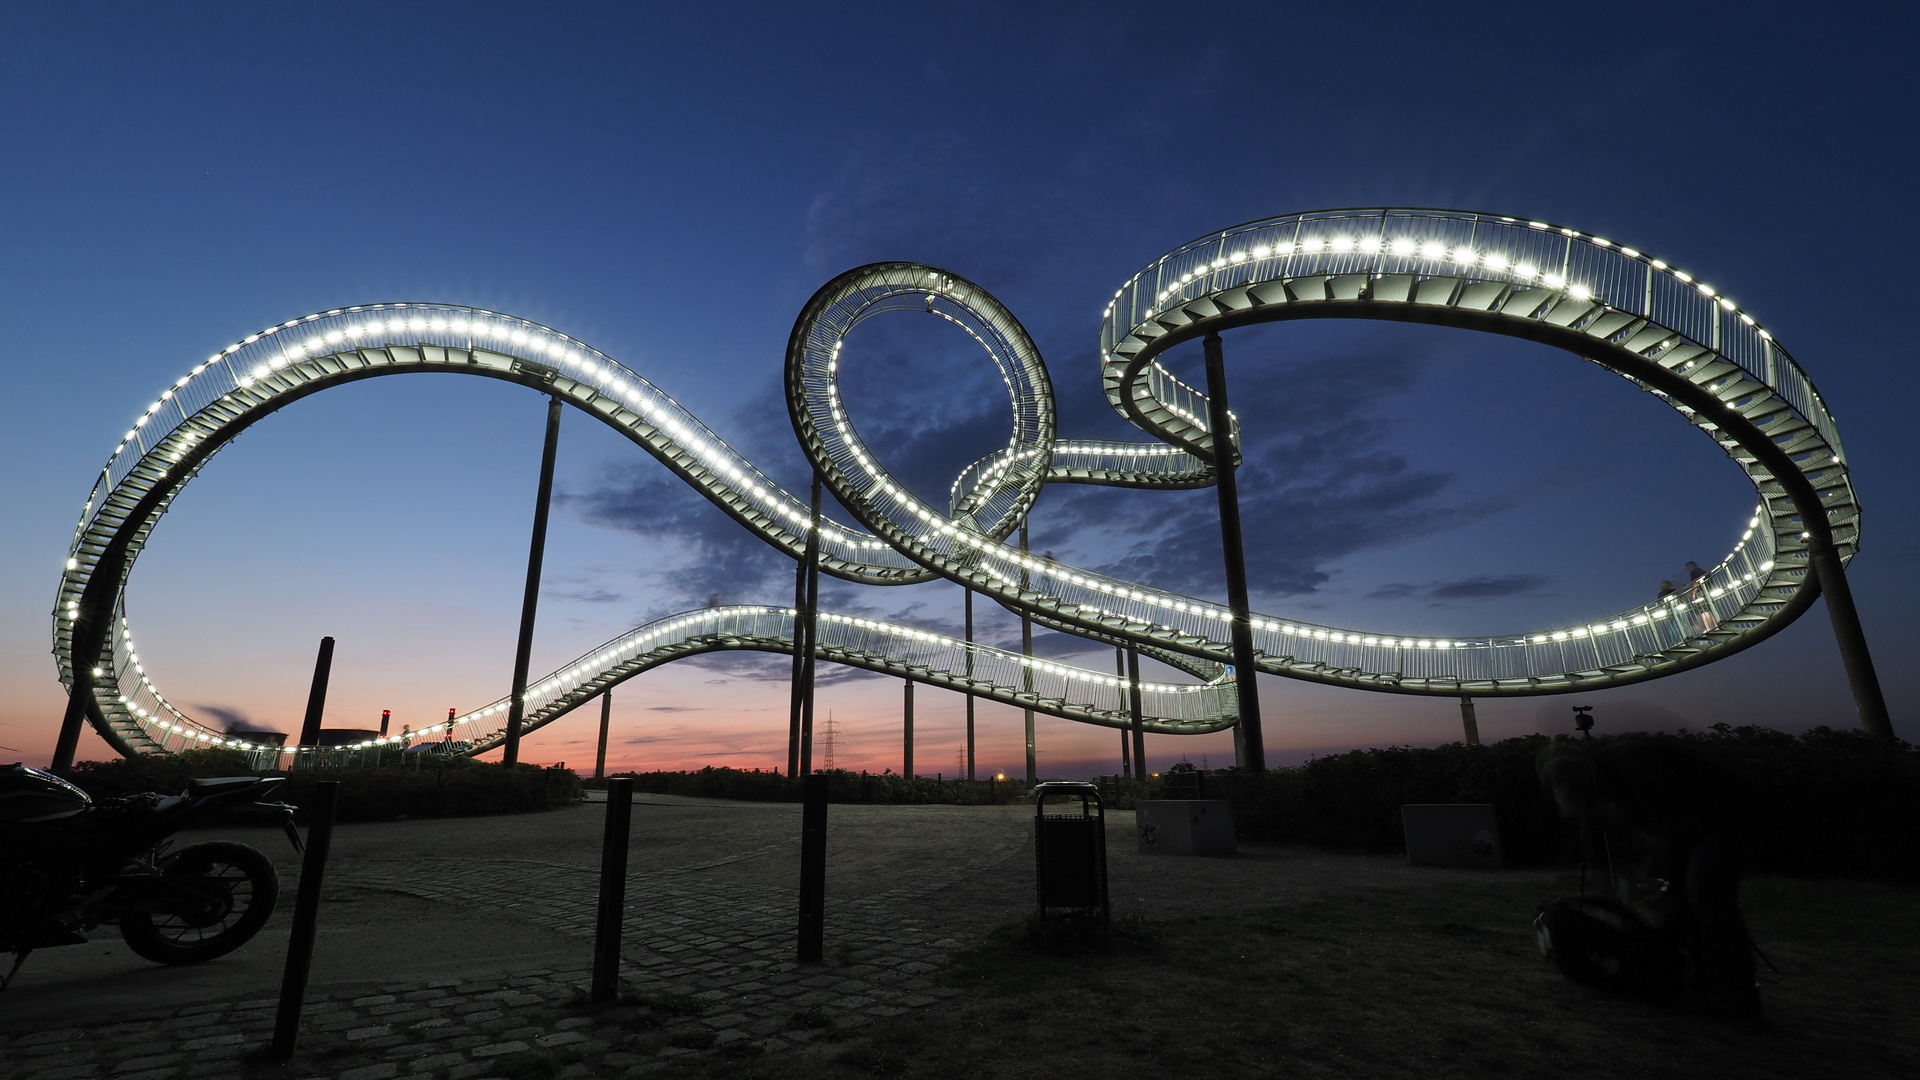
<point x="1247" y="677"/>
<point x="1868" y="701"/>
<point x="906" y="757"/>
<point x="613" y="889"/>
<point x="810" y="614"/>
<point x="1469" y="721"/>
<point x="530" y="598"/>
<point x="317" y="694"/>
<point x="813" y="867"/>
<point x="969" y="683"/>
<point x="1126" y="734"/>
<point x="306" y="918"/>
<point x="1133" y="704"/>
<point x="600" y="758"/>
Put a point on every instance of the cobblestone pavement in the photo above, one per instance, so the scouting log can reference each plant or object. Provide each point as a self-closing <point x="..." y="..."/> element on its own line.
<point x="708" y="942"/>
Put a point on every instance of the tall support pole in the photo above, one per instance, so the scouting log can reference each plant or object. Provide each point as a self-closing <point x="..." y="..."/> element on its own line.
<point x="810" y="615"/>
<point x="969" y="680"/>
<point x="317" y="694"/>
<point x="606" y="714"/>
<point x="1469" y="721"/>
<point x="1133" y="703"/>
<point x="530" y="599"/>
<point x="1126" y="736"/>
<point x="906" y="756"/>
<point x="1026" y="672"/>
<point x="1848" y="634"/>
<point x="1247" y="677"/>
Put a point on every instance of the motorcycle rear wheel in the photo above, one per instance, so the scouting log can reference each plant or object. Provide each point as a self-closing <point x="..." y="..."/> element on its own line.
<point x="242" y="888"/>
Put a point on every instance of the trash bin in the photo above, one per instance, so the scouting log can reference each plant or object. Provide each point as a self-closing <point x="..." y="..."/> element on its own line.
<point x="1070" y="851"/>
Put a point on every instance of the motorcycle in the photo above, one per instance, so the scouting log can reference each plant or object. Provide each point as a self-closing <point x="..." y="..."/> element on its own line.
<point x="69" y="865"/>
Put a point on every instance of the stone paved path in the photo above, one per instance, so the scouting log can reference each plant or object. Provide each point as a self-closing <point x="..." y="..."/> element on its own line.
<point x="450" y="947"/>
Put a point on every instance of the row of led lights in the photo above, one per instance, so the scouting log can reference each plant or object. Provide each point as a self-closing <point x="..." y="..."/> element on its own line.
<point x="601" y="662"/>
<point x="1435" y="251"/>
<point x="1064" y="670"/>
<point x="581" y="359"/>
<point x="1215" y="614"/>
<point x="537" y="340"/>
<point x="180" y="724"/>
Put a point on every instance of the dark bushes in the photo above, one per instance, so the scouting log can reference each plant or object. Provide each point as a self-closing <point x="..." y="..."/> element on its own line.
<point x="1832" y="802"/>
<point x="842" y="787"/>
<point x="428" y="786"/>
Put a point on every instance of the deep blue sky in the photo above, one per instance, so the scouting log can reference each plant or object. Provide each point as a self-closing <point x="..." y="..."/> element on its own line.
<point x="671" y="185"/>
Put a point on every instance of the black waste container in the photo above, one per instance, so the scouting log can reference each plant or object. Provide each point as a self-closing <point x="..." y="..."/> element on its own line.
<point x="1070" y="851"/>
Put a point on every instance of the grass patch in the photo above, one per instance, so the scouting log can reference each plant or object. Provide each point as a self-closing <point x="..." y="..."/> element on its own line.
<point x="1436" y="979"/>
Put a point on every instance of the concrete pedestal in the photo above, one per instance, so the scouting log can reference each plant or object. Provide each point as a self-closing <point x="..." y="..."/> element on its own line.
<point x="1185" y="827"/>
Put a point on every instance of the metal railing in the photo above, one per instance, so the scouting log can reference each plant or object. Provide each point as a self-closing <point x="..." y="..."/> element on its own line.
<point x="1526" y="269"/>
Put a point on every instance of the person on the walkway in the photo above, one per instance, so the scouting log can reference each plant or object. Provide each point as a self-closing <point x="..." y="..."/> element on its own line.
<point x="1666" y="590"/>
<point x="1705" y="619"/>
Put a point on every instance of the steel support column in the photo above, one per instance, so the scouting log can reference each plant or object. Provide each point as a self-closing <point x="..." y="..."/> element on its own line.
<point x="1246" y="676"/>
<point x="317" y="694"/>
<point x="1026" y="670"/>
<point x="1469" y="721"/>
<point x="1848" y="634"/>
<point x="1126" y="735"/>
<point x="807" y="640"/>
<point x="1133" y="705"/>
<point x="600" y="758"/>
<point x="530" y="599"/>
<point x="906" y="756"/>
<point x="969" y="680"/>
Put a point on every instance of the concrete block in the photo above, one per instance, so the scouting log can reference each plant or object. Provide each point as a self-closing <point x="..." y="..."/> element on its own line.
<point x="1184" y="827"/>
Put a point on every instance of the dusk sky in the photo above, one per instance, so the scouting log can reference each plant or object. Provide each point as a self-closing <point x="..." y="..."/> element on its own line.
<point x="671" y="185"/>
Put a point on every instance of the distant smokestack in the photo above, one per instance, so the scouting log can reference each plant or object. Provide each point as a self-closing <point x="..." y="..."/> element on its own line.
<point x="385" y="715"/>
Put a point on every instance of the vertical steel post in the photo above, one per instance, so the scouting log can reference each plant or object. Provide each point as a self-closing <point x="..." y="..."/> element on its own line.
<point x="969" y="682"/>
<point x="606" y="714"/>
<point x="1246" y="676"/>
<point x="906" y="768"/>
<point x="613" y="889"/>
<point x="1868" y="701"/>
<point x="317" y="694"/>
<point x="306" y="918"/>
<point x="813" y="867"/>
<point x="1469" y="721"/>
<point x="530" y="599"/>
<point x="1126" y="734"/>
<point x="1026" y="670"/>
<point x="811" y="613"/>
<point x="1133" y="699"/>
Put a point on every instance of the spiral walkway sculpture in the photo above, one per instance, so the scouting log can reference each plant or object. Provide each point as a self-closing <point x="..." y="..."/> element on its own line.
<point x="1672" y="335"/>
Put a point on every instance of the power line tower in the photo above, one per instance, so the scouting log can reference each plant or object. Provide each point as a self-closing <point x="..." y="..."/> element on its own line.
<point x="832" y="730"/>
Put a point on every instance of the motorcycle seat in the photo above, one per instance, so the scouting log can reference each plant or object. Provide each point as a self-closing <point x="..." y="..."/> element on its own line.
<point x="219" y="785"/>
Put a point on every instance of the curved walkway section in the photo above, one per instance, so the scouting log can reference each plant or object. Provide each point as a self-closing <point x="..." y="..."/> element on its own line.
<point x="1671" y="334"/>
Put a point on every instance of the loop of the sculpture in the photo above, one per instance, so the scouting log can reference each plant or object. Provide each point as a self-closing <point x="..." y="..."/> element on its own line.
<point x="1636" y="315"/>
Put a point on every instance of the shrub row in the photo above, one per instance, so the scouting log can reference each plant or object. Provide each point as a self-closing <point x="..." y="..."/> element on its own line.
<point x="843" y="786"/>
<point x="1831" y="802"/>
<point x="428" y="786"/>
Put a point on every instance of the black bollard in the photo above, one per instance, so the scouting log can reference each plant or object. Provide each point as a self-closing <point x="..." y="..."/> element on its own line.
<point x="813" y="868"/>
<point x="306" y="917"/>
<point x="613" y="889"/>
